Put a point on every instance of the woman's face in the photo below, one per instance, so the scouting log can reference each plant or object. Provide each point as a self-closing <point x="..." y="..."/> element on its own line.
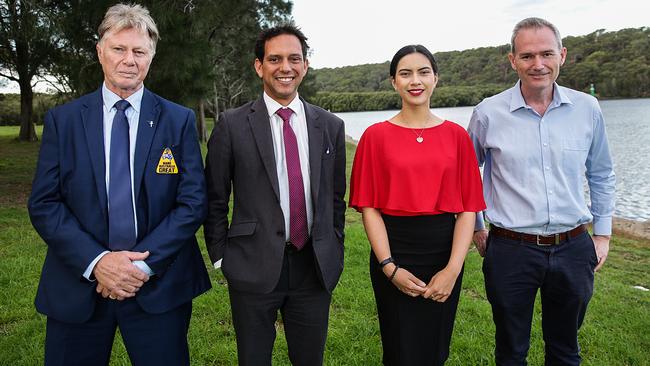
<point x="414" y="79"/>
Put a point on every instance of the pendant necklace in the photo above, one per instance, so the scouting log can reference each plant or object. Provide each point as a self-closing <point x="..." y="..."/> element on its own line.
<point x="418" y="135"/>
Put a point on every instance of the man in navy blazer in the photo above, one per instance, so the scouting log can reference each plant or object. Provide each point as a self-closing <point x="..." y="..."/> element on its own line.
<point x="118" y="195"/>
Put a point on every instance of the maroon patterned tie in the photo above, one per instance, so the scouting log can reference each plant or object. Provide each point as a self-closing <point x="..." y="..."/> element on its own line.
<point x="298" y="233"/>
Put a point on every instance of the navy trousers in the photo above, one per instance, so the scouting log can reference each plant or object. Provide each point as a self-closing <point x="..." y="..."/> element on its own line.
<point x="564" y="275"/>
<point x="150" y="339"/>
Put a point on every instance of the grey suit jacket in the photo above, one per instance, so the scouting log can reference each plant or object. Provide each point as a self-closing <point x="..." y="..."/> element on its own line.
<point x="240" y="157"/>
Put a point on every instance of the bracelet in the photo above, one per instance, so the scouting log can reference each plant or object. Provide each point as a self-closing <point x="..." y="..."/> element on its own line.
<point x="392" y="276"/>
<point x="386" y="261"/>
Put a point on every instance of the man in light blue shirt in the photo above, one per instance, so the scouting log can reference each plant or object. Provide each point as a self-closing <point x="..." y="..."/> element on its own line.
<point x="538" y="141"/>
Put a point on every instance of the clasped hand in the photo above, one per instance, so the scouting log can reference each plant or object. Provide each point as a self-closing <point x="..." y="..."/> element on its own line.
<point x="117" y="276"/>
<point x="438" y="289"/>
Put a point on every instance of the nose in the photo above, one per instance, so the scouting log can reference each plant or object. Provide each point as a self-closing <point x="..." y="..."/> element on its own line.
<point x="285" y="65"/>
<point x="415" y="79"/>
<point x="538" y="62"/>
<point x="129" y="58"/>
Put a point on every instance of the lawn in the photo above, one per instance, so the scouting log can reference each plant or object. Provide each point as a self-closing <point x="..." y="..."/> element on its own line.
<point x="616" y="329"/>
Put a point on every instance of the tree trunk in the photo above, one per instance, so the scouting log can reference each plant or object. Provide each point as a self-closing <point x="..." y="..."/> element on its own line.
<point x="27" y="131"/>
<point x="215" y="110"/>
<point x="203" y="134"/>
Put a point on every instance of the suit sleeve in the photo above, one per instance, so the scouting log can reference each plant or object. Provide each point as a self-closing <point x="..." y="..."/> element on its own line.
<point x="50" y="215"/>
<point x="180" y="225"/>
<point x="340" y="184"/>
<point x="218" y="174"/>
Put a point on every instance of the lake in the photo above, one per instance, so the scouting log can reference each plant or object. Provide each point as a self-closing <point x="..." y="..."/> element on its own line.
<point x="628" y="129"/>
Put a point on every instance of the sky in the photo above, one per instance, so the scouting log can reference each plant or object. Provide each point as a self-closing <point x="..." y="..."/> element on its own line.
<point x="353" y="32"/>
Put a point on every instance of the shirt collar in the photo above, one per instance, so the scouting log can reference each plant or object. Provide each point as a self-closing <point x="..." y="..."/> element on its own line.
<point x="111" y="98"/>
<point x="517" y="99"/>
<point x="272" y="106"/>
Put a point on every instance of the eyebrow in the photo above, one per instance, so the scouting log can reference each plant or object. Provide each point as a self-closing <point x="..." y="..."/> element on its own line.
<point x="420" y="69"/>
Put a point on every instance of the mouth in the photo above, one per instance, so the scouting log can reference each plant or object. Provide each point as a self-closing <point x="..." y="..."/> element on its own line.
<point x="127" y="74"/>
<point x="285" y="79"/>
<point x="415" y="92"/>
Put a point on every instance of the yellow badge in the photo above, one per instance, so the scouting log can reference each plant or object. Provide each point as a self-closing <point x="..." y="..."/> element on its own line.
<point x="167" y="164"/>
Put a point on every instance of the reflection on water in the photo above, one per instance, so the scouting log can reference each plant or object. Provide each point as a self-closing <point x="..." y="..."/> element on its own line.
<point x="628" y="129"/>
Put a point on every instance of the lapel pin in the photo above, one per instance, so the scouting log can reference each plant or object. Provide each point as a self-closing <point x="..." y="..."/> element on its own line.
<point x="327" y="152"/>
<point x="150" y="123"/>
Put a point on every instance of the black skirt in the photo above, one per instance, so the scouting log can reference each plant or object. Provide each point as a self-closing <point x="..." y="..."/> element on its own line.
<point x="416" y="331"/>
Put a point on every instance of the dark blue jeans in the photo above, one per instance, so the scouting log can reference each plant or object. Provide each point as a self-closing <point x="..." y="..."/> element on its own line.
<point x="564" y="274"/>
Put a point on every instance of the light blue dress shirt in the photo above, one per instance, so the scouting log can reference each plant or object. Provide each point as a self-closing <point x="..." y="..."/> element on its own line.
<point x="535" y="166"/>
<point x="133" y="116"/>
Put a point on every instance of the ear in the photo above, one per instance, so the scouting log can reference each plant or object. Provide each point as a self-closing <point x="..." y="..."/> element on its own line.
<point x="99" y="52"/>
<point x="306" y="67"/>
<point x="563" y="54"/>
<point x="392" y="82"/>
<point x="511" y="57"/>
<point x="435" y="80"/>
<point x="258" y="67"/>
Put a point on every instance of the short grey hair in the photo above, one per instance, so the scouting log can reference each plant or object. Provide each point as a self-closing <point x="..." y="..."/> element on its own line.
<point x="124" y="16"/>
<point x="536" y="23"/>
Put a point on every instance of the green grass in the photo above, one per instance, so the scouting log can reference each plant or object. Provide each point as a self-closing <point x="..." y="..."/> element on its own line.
<point x="616" y="329"/>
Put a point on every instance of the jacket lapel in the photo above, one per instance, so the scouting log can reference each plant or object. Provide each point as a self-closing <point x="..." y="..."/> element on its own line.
<point x="147" y="125"/>
<point x="259" y="122"/>
<point x="92" y="117"/>
<point x="315" y="149"/>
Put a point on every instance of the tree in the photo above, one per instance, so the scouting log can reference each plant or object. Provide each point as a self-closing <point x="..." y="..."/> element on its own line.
<point x="29" y="40"/>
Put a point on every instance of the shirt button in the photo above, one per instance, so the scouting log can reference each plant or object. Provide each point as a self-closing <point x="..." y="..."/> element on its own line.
<point x="547" y="168"/>
<point x="545" y="144"/>
<point x="550" y="192"/>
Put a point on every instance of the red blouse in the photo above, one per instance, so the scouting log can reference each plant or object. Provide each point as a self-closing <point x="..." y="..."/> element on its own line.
<point x="402" y="177"/>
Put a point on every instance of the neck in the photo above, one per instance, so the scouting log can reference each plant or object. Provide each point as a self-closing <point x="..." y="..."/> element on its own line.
<point x="538" y="99"/>
<point x="416" y="117"/>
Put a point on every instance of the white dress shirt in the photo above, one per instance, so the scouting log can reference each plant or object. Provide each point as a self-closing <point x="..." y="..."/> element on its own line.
<point x="133" y="116"/>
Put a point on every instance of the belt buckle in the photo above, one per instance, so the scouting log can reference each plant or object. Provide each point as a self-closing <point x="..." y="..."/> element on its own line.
<point x="555" y="236"/>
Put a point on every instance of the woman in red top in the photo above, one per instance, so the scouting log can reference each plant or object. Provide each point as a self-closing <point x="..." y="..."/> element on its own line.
<point x="416" y="182"/>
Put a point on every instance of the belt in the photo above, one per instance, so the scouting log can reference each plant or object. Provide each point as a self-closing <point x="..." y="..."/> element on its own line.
<point x="543" y="240"/>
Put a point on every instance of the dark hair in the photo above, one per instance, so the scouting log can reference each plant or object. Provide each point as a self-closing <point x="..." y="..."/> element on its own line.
<point x="269" y="33"/>
<point x="407" y="50"/>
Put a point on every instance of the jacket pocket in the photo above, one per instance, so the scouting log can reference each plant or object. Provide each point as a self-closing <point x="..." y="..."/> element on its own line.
<point x="242" y="229"/>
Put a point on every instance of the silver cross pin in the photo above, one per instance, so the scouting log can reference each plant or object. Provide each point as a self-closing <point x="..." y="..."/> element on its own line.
<point x="150" y="123"/>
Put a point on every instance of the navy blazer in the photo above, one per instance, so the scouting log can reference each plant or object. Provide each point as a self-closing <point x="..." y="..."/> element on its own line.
<point x="68" y="206"/>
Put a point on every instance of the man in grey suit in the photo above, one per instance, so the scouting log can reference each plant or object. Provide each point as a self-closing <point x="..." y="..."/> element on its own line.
<point x="284" y="160"/>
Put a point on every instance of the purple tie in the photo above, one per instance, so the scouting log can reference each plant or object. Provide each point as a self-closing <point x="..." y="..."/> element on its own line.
<point x="298" y="233"/>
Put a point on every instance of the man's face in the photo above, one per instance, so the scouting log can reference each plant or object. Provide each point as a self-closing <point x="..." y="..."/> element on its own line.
<point x="283" y="67"/>
<point x="537" y="59"/>
<point x="125" y="57"/>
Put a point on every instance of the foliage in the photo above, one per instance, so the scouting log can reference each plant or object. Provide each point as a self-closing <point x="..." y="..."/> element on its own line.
<point x="10" y="108"/>
<point x="613" y="332"/>
<point x="617" y="63"/>
<point x="443" y="96"/>
<point x="29" y="43"/>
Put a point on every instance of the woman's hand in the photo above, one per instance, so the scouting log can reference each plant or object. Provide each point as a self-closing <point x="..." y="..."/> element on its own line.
<point x="405" y="281"/>
<point x="441" y="285"/>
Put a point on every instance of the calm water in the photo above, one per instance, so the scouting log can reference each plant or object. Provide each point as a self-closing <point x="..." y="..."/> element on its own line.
<point x="628" y="129"/>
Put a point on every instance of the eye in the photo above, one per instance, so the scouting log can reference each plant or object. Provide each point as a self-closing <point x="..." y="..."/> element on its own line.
<point x="425" y="72"/>
<point x="272" y="59"/>
<point x="296" y="59"/>
<point x="404" y="74"/>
